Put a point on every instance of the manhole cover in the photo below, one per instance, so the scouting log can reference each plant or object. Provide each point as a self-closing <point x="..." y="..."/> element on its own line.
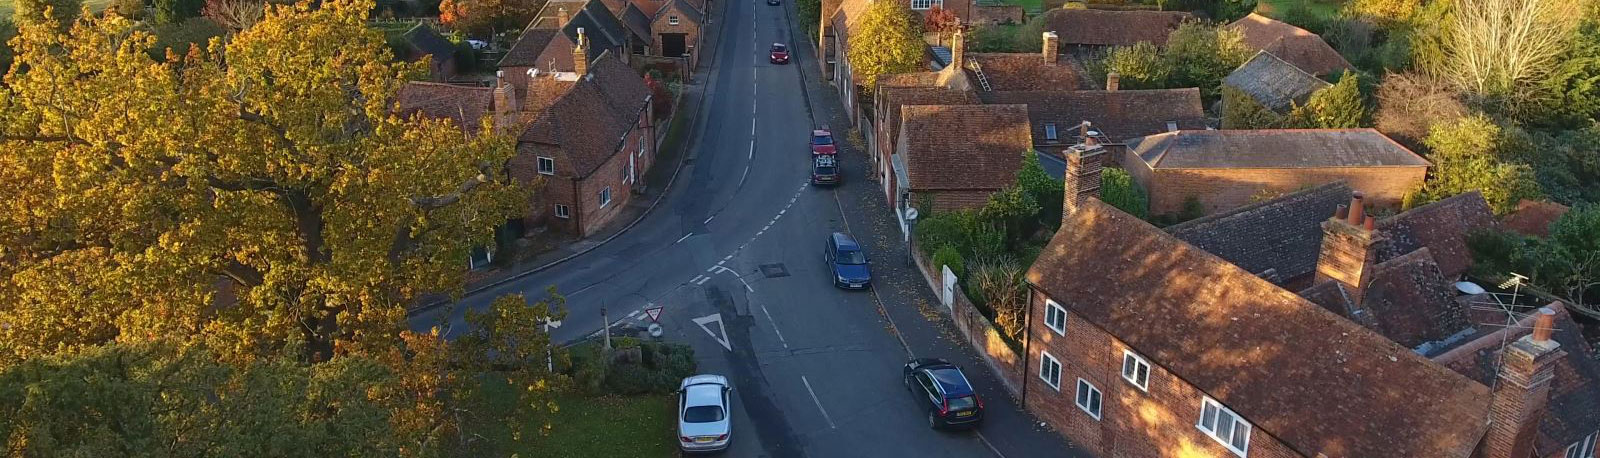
<point x="774" y="270"/>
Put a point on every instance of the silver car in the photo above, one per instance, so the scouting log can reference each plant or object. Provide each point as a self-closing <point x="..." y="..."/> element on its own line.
<point x="703" y="415"/>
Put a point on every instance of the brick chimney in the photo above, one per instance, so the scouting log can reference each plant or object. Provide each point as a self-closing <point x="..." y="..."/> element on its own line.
<point x="505" y="102"/>
<point x="1349" y="249"/>
<point x="1112" y="81"/>
<point x="1082" y="177"/>
<point x="580" y="54"/>
<point x="1052" y="44"/>
<point x="1523" y="389"/>
<point x="958" y="49"/>
<point x="562" y="17"/>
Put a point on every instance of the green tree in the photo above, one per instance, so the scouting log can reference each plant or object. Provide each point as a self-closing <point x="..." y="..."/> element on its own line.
<point x="273" y="165"/>
<point x="1340" y="106"/>
<point x="8" y="30"/>
<point x="1566" y="263"/>
<point x="1046" y="191"/>
<point x="1140" y="66"/>
<point x="61" y="12"/>
<point x="887" y="40"/>
<point x="487" y="17"/>
<point x="178" y="38"/>
<point x="1471" y="154"/>
<point x="1569" y="96"/>
<point x="1200" y="55"/>
<point x="177" y="11"/>
<point x="1016" y="212"/>
<point x="1241" y="111"/>
<point x="1118" y="189"/>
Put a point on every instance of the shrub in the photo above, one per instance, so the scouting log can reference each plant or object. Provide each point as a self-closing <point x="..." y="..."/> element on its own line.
<point x="948" y="256"/>
<point x="996" y="285"/>
<point x="589" y="368"/>
<point x="1118" y="189"/>
<point x="625" y="378"/>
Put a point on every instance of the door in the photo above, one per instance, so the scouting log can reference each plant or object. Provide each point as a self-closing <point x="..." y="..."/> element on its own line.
<point x="674" y="44"/>
<point x="948" y="295"/>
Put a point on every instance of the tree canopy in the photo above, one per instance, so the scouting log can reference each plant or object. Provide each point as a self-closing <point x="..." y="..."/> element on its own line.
<point x="257" y="195"/>
<point x="484" y="17"/>
<point x="1197" y="54"/>
<point x="1474" y="153"/>
<point x="887" y="40"/>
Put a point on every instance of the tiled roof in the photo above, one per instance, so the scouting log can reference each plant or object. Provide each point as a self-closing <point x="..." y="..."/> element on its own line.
<point x="1282" y="235"/>
<point x="538" y="45"/>
<point x="1294" y="45"/>
<point x="466" y="105"/>
<point x="586" y="125"/>
<point x="425" y="40"/>
<point x="1442" y="227"/>
<point x="846" y="15"/>
<point x="1533" y="218"/>
<point x="1408" y="301"/>
<point x="1311" y="379"/>
<point x="682" y="7"/>
<point x="1272" y="148"/>
<point x="1112" y="28"/>
<point x="525" y="52"/>
<point x="966" y="147"/>
<point x="1025" y="72"/>
<point x="1573" y="410"/>
<point x="1119" y="115"/>
<point x="1274" y="83"/>
<point x="893" y="98"/>
<point x="638" y="22"/>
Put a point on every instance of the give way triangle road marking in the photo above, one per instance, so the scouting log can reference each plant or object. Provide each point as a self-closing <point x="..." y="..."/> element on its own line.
<point x="721" y="334"/>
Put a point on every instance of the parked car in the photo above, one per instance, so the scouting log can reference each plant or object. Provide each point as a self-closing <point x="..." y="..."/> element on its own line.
<point x="780" y="53"/>
<point x="824" y="169"/>
<point x="822" y="142"/>
<point x="944" y="391"/>
<point x="847" y="262"/>
<point x="704" y="423"/>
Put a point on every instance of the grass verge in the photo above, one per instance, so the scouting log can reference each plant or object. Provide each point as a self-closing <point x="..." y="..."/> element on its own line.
<point x="606" y="427"/>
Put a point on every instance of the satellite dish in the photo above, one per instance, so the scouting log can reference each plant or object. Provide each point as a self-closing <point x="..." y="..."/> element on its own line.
<point x="1469" y="288"/>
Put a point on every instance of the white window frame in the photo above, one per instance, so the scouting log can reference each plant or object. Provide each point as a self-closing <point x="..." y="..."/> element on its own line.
<point x="672" y="20"/>
<point x="563" y="211"/>
<point x="1584" y="448"/>
<point x="920" y="5"/>
<point x="1091" y="403"/>
<point x="1130" y="372"/>
<point x="1050" y="131"/>
<point x="605" y="197"/>
<point x="1217" y="410"/>
<point x="642" y="144"/>
<point x="543" y="169"/>
<point x="1055" y="317"/>
<point x="1048" y="364"/>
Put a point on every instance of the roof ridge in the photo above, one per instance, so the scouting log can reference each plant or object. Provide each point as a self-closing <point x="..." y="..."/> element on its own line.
<point x="1429" y="207"/>
<point x="1273" y="201"/>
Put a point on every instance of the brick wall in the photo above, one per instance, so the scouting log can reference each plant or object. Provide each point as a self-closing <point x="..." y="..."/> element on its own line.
<point x="944" y="201"/>
<point x="690" y="29"/>
<point x="1225" y="189"/>
<point x="611" y="173"/>
<point x="997" y="14"/>
<point x="1134" y="422"/>
<point x="980" y="333"/>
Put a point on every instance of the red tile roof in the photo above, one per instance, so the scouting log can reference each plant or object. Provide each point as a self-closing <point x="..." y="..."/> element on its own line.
<point x="1533" y="218"/>
<point x="964" y="147"/>
<point x="1442" y="227"/>
<point x="1112" y="28"/>
<point x="893" y="98"/>
<point x="1282" y="235"/>
<point x="467" y="106"/>
<point x="1024" y="72"/>
<point x="1119" y="115"/>
<point x="586" y="125"/>
<point x="1311" y="379"/>
<point x="1294" y="45"/>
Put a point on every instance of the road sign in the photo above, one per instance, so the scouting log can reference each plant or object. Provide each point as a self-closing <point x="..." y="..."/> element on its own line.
<point x="654" y="313"/>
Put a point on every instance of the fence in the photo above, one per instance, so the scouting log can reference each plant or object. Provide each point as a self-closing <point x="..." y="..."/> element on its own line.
<point x="980" y="333"/>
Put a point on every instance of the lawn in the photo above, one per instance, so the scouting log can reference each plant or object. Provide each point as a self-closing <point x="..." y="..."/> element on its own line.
<point x="609" y="426"/>
<point x="1324" y="10"/>
<point x="6" y="6"/>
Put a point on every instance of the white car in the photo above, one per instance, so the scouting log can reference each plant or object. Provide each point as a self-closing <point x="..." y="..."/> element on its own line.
<point x="703" y="415"/>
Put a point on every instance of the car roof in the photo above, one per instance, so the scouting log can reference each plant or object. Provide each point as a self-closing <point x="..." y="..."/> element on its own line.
<point x="821" y="132"/>
<point x="703" y="394"/>
<point x="844" y="241"/>
<point x="825" y="160"/>
<point x="950" y="379"/>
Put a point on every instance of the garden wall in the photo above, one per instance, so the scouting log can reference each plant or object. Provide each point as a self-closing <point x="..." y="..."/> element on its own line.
<point x="981" y="334"/>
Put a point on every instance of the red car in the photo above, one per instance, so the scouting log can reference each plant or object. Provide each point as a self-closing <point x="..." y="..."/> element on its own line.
<point x="822" y="142"/>
<point x="780" y="54"/>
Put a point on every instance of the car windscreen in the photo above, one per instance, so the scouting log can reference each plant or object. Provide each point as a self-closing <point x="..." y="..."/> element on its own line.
<point x="963" y="403"/>
<point x="822" y="140"/>
<point x="852" y="257"/>
<point x="779" y="48"/>
<point x="824" y="170"/>
<point x="702" y="414"/>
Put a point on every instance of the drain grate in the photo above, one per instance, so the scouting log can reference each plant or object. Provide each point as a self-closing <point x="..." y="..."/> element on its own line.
<point x="774" y="270"/>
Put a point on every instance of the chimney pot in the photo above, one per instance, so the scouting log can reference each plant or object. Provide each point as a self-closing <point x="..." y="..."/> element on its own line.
<point x="1545" y="325"/>
<point x="1370" y="223"/>
<point x="1358" y="212"/>
<point x="561" y="17"/>
<point x="1113" y="81"/>
<point x="1342" y="213"/>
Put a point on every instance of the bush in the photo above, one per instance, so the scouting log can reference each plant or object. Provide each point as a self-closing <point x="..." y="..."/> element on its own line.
<point x="948" y="256"/>
<point x="1118" y="189"/>
<point x="589" y="368"/>
<point x="625" y="378"/>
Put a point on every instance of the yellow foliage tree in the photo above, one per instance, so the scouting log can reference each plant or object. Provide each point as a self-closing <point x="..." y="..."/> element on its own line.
<point x="260" y="195"/>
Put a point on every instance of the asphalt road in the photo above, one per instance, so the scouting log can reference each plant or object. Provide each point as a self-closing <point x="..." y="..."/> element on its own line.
<point x="733" y="255"/>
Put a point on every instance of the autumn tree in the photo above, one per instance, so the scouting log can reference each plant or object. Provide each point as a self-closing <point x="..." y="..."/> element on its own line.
<point x="59" y="12"/>
<point x="1141" y="66"/>
<point x="486" y="17"/>
<point x="1473" y="154"/>
<point x="235" y="15"/>
<point x="887" y="40"/>
<point x="941" y="21"/>
<point x="256" y="197"/>
<point x="1340" y="106"/>
<point x="1196" y="55"/>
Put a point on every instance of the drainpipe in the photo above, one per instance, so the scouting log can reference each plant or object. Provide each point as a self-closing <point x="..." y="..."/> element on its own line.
<point x="1027" y="341"/>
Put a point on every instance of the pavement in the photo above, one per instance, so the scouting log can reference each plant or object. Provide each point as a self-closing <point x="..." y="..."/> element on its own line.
<point x="732" y="255"/>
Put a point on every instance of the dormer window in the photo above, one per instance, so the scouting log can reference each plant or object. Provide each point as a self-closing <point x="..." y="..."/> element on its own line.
<point x="672" y="20"/>
<point x="1172" y="126"/>
<point x="1583" y="449"/>
<point x="1050" y="131"/>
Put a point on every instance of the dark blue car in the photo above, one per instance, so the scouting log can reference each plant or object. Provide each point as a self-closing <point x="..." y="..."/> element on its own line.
<point x="943" y="391"/>
<point x="847" y="262"/>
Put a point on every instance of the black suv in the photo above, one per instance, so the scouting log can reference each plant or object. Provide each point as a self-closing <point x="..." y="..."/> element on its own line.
<point x="944" y="391"/>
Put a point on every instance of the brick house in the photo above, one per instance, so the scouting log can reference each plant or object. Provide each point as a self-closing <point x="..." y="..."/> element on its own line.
<point x="547" y="44"/>
<point x="961" y="155"/>
<point x="1115" y="115"/>
<point x="1225" y="169"/>
<point x="833" y="45"/>
<point x="676" y="26"/>
<point x="1299" y="47"/>
<point x="1142" y="345"/>
<point x="1395" y="277"/>
<point x="1093" y="32"/>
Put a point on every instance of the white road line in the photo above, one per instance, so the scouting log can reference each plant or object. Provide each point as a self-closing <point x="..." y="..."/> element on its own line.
<point x="696" y="278"/>
<point x="721" y="269"/>
<point x="635" y="313"/>
<point x="712" y="268"/>
<point x="725" y="258"/>
<point x="752" y="154"/>
<point x="764" y="228"/>
<point x="746" y="284"/>
<point x="752" y="126"/>
<point x="818" y="401"/>
<point x="702" y="281"/>
<point x="685" y="237"/>
<point x="721" y="262"/>
<point x="785" y="210"/>
<point x="774" y="326"/>
<point x="985" y="441"/>
<point x="745" y="174"/>
<point x="708" y="220"/>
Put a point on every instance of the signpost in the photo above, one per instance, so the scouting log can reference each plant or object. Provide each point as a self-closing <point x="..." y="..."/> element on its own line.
<point x="654" y="313"/>
<point x="548" y="325"/>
